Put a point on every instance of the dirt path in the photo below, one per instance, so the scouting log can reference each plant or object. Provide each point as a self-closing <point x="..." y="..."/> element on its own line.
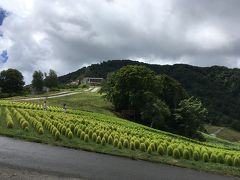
<point x="217" y="132"/>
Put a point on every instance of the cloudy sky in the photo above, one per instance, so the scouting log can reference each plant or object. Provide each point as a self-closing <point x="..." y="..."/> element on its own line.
<point x="66" y="35"/>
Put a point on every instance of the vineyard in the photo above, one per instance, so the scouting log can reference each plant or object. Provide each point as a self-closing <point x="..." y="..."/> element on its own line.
<point x="106" y="131"/>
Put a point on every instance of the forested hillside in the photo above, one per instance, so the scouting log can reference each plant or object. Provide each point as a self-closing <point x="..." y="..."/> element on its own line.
<point x="217" y="87"/>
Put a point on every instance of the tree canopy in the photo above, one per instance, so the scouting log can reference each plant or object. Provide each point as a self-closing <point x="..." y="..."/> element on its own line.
<point x="11" y="82"/>
<point x="154" y="99"/>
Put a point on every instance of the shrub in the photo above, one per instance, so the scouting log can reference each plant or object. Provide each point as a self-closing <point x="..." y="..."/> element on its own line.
<point x="79" y="132"/>
<point x="82" y="136"/>
<point x="86" y="138"/>
<point x="143" y="147"/>
<point x="160" y="150"/>
<point x="98" y="140"/>
<point x="149" y="150"/>
<point x="40" y="131"/>
<point x="220" y="158"/>
<point x="26" y="129"/>
<point x="152" y="146"/>
<point x="213" y="158"/>
<point x="119" y="145"/>
<point x="186" y="154"/>
<point x="205" y="157"/>
<point x="70" y="135"/>
<point x="90" y="133"/>
<point x="137" y="144"/>
<point x="110" y="140"/>
<point x="94" y="137"/>
<point x="115" y="142"/>
<point x="236" y="162"/>
<point x="176" y="153"/>
<point x="103" y="142"/>
<point x="132" y="146"/>
<point x="229" y="160"/>
<point x="169" y="151"/>
<point x="195" y="155"/>
<point x="125" y="143"/>
<point x="57" y="135"/>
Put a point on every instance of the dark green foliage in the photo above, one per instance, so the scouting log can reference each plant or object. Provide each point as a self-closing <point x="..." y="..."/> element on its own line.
<point x="11" y="82"/>
<point x="86" y="138"/>
<point x="169" y="151"/>
<point x="115" y="143"/>
<point x="143" y="147"/>
<point x="205" y="157"/>
<point x="51" y="80"/>
<point x="229" y="160"/>
<point x="98" y="140"/>
<point x="119" y="145"/>
<point x="160" y="150"/>
<point x="125" y="143"/>
<point x="220" y="158"/>
<point x="236" y="162"/>
<point x="176" y="153"/>
<point x="149" y="150"/>
<point x="205" y="83"/>
<point x="132" y="146"/>
<point x="103" y="141"/>
<point x="186" y="154"/>
<point x="37" y="81"/>
<point x="213" y="158"/>
<point x="137" y="144"/>
<point x="195" y="155"/>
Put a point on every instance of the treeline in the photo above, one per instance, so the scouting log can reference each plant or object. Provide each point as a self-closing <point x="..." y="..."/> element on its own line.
<point x="12" y="83"/>
<point x="217" y="87"/>
<point x="157" y="101"/>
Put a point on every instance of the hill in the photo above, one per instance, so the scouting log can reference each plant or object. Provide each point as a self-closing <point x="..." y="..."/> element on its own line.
<point x="217" y="86"/>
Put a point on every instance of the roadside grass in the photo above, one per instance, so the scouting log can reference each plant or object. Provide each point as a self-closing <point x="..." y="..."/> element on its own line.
<point x="226" y="133"/>
<point x="85" y="101"/>
<point x="76" y="143"/>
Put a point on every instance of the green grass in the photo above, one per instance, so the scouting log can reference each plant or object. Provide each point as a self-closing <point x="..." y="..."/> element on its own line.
<point x="86" y="101"/>
<point x="76" y="143"/>
<point x="226" y="133"/>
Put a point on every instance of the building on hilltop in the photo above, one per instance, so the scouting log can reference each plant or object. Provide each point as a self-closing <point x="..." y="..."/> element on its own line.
<point x="92" y="81"/>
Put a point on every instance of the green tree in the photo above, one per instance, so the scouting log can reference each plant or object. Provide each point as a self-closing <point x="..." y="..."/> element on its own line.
<point x="11" y="81"/>
<point x="37" y="81"/>
<point x="51" y="80"/>
<point x="189" y="117"/>
<point x="155" y="111"/>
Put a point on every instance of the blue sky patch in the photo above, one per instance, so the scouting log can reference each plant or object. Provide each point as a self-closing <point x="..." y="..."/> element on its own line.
<point x="3" y="56"/>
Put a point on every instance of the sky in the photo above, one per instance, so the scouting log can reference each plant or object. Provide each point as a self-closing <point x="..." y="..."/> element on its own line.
<point x="67" y="35"/>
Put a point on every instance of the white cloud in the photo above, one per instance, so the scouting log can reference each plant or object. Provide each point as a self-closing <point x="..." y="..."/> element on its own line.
<point x="65" y="35"/>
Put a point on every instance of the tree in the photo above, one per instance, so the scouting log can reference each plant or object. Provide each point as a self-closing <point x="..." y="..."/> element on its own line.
<point x="11" y="81"/>
<point x="51" y="80"/>
<point x="189" y="117"/>
<point x="37" y="81"/>
<point x="155" y="111"/>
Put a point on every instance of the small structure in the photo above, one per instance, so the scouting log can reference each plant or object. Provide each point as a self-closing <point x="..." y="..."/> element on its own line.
<point x="74" y="82"/>
<point x="92" y="81"/>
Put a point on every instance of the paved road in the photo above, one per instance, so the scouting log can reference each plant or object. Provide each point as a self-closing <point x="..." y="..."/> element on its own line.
<point x="87" y="165"/>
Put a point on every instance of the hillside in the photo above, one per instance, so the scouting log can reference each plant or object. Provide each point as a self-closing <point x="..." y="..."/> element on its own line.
<point x="217" y="87"/>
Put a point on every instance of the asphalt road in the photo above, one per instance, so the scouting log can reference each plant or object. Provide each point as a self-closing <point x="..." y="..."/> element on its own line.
<point x="65" y="162"/>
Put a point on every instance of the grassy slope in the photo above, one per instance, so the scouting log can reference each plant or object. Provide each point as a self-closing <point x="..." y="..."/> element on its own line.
<point x="86" y="101"/>
<point x="76" y="143"/>
<point x="226" y="133"/>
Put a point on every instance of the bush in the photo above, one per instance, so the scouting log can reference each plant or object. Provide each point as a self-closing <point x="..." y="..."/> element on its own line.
<point x="132" y="146"/>
<point x="115" y="142"/>
<point x="195" y="155"/>
<point x="110" y="140"/>
<point x="205" y="157"/>
<point x="119" y="145"/>
<point x="70" y="135"/>
<point x="176" y="153"/>
<point x="186" y="154"/>
<point x="236" y="162"/>
<point x="94" y="137"/>
<point x="152" y="146"/>
<point x="228" y="160"/>
<point x="90" y="133"/>
<point x="125" y="143"/>
<point x="149" y="150"/>
<point x="220" y="158"/>
<point x="57" y="135"/>
<point x="86" y="138"/>
<point x="82" y="136"/>
<point x="160" y="150"/>
<point x="213" y="158"/>
<point x="103" y="142"/>
<point x="98" y="140"/>
<point x="137" y="144"/>
<point x="40" y="131"/>
<point x="169" y="151"/>
<point x="143" y="147"/>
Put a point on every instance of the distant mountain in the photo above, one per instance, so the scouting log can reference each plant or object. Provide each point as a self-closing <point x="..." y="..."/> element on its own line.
<point x="218" y="87"/>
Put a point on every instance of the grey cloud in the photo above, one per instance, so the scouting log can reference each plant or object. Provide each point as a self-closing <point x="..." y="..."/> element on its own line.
<point x="65" y="35"/>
